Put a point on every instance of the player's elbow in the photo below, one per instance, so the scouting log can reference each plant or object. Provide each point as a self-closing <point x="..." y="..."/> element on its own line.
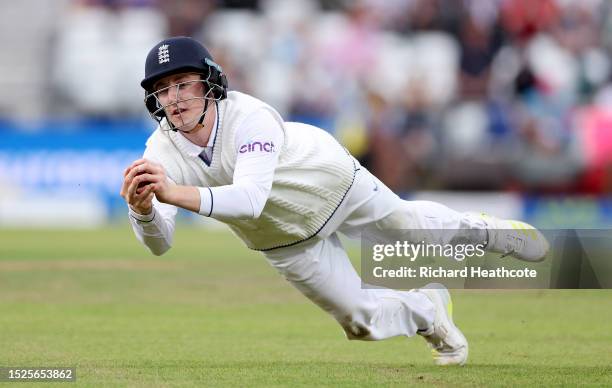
<point x="252" y="199"/>
<point x="257" y="199"/>
<point x="245" y="215"/>
<point x="253" y="211"/>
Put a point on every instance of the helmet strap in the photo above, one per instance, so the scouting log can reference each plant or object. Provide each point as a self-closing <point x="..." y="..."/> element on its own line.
<point x="203" y="115"/>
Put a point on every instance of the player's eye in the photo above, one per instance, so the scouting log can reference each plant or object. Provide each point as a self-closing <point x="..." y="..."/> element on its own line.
<point x="163" y="92"/>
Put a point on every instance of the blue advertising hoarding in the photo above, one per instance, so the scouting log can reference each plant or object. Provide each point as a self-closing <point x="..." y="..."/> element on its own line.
<point x="71" y="159"/>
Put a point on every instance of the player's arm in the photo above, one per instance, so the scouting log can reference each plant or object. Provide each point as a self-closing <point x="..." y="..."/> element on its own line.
<point x="151" y="177"/>
<point x="252" y="181"/>
<point x="152" y="221"/>
<point x="258" y="143"/>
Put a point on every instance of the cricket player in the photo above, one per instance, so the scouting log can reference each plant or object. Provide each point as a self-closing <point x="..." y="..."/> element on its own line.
<point x="288" y="189"/>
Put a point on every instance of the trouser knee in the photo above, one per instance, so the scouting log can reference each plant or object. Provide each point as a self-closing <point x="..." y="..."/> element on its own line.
<point x="355" y="327"/>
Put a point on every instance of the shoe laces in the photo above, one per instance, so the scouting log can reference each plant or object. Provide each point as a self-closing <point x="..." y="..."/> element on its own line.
<point x="437" y="338"/>
<point x="514" y="243"/>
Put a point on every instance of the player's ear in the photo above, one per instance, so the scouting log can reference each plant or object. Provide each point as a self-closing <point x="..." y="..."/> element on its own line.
<point x="217" y="80"/>
<point x="153" y="105"/>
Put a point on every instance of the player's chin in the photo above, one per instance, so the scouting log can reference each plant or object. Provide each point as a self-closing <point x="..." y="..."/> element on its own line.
<point x="186" y="127"/>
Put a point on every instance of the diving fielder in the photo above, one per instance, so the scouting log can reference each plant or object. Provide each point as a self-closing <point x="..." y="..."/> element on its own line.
<point x="288" y="189"/>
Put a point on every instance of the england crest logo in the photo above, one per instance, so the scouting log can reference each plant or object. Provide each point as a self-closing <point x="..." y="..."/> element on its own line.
<point x="163" y="54"/>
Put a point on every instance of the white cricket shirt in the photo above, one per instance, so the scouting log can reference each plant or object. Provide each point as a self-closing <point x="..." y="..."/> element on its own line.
<point x="246" y="196"/>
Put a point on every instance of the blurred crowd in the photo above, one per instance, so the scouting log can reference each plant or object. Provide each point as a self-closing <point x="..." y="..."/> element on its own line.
<point x="429" y="94"/>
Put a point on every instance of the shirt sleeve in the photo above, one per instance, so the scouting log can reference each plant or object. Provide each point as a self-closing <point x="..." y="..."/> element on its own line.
<point x="258" y="143"/>
<point x="156" y="229"/>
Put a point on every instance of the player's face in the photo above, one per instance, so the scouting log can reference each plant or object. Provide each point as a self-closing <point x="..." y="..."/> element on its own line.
<point x="182" y="96"/>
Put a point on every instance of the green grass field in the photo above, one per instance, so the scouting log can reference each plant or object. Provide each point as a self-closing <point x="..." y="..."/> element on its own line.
<point x="212" y="313"/>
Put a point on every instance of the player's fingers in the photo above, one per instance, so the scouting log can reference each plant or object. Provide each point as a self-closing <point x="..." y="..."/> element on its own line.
<point x="144" y="198"/>
<point x="124" y="187"/>
<point x="138" y="162"/>
<point x="130" y="175"/>
<point x="153" y="168"/>
<point x="143" y="190"/>
<point x="135" y="163"/>
<point x="146" y="166"/>
<point x="141" y="170"/>
<point x="131" y="190"/>
<point x="146" y="177"/>
<point x="134" y="171"/>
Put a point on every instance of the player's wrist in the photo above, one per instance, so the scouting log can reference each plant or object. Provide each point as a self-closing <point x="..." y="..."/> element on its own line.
<point x="142" y="211"/>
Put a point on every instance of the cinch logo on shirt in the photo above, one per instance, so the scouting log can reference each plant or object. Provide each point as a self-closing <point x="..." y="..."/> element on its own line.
<point x="257" y="146"/>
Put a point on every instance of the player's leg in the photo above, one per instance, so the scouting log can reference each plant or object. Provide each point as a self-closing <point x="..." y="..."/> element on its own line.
<point x="373" y="211"/>
<point x="322" y="271"/>
<point x="447" y="342"/>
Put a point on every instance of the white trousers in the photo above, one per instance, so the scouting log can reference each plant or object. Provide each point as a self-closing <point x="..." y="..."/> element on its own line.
<point x="321" y="270"/>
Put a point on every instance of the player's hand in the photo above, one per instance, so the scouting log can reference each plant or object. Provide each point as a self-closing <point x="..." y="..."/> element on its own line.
<point x="138" y="186"/>
<point x="144" y="179"/>
<point x="145" y="173"/>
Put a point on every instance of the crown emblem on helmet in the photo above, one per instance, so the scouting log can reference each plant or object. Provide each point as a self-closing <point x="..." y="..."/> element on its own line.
<point x="163" y="54"/>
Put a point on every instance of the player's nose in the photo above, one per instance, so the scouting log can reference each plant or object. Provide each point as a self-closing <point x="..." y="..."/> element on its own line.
<point x="173" y="93"/>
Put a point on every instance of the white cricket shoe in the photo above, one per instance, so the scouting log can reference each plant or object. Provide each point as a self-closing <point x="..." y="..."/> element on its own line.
<point x="515" y="238"/>
<point x="447" y="343"/>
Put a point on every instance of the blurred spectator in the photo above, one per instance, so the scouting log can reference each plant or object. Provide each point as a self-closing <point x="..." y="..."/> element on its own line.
<point x="186" y="17"/>
<point x="96" y="63"/>
<point x="430" y="94"/>
<point x="480" y="41"/>
<point x="27" y="27"/>
<point x="523" y="19"/>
